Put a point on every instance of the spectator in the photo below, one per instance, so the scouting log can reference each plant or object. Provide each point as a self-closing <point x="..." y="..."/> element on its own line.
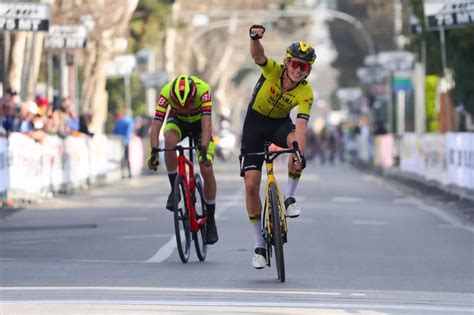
<point x="124" y="127"/>
<point x="8" y="110"/>
<point x="24" y="122"/>
<point x="84" y="120"/>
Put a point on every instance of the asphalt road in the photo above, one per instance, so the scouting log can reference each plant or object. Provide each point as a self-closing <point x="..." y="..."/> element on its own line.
<point x="362" y="245"/>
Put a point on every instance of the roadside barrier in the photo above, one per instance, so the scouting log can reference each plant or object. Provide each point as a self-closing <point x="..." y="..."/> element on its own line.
<point x="447" y="159"/>
<point x="30" y="170"/>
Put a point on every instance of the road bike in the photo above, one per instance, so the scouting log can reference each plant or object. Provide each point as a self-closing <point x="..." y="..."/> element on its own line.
<point x="189" y="207"/>
<point x="274" y="227"/>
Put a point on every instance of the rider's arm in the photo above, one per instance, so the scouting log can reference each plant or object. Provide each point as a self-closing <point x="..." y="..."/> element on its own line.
<point x="160" y="114"/>
<point x="155" y="133"/>
<point x="257" y="52"/>
<point x="300" y="133"/>
<point x="206" y="127"/>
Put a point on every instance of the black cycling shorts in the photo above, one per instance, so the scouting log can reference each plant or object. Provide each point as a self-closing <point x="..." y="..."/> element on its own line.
<point x="184" y="128"/>
<point x="259" y="129"/>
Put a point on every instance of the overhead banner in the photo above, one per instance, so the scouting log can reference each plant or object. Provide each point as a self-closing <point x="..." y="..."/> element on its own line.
<point x="448" y="13"/>
<point x="66" y="37"/>
<point x="26" y="17"/>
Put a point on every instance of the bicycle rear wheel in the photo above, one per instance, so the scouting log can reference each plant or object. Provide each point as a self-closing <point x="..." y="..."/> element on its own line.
<point x="200" y="206"/>
<point x="181" y="219"/>
<point x="275" y="219"/>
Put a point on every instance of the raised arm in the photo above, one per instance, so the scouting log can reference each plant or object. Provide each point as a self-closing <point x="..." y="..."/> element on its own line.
<point x="256" y="49"/>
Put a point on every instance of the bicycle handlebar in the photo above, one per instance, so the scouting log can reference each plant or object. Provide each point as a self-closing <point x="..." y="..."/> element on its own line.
<point x="181" y="150"/>
<point x="273" y="154"/>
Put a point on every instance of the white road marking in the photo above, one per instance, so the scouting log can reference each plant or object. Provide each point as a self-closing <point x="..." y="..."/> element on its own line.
<point x="166" y="250"/>
<point x="32" y="242"/>
<point x="144" y="236"/>
<point x="253" y="307"/>
<point x="129" y="219"/>
<point x="341" y="199"/>
<point x="171" y="289"/>
<point x="443" y="215"/>
<point x="369" y="222"/>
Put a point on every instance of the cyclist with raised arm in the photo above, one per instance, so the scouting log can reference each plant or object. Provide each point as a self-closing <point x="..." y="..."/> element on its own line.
<point x="280" y="88"/>
<point x="189" y="98"/>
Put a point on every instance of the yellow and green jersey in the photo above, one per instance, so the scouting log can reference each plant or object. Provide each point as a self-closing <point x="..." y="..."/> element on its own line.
<point x="202" y="104"/>
<point x="268" y="99"/>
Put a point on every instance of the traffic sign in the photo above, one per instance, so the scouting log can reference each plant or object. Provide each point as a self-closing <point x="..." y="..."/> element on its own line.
<point x="154" y="79"/>
<point x="26" y="17"/>
<point x="448" y="13"/>
<point x="66" y="36"/>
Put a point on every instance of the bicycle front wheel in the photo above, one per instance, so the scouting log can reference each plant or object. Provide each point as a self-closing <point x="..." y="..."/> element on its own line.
<point x="275" y="219"/>
<point x="181" y="219"/>
<point x="200" y="206"/>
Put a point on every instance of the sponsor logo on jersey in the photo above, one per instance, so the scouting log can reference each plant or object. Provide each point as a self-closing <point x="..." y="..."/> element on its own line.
<point x="206" y="97"/>
<point x="162" y="101"/>
<point x="272" y="90"/>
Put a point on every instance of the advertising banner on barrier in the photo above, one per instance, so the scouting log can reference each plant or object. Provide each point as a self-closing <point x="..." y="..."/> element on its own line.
<point x="459" y="158"/>
<point x="434" y="152"/>
<point x="76" y="162"/>
<point x="26" y="174"/>
<point x="384" y="151"/>
<point x="4" y="172"/>
<point x="411" y="156"/>
<point x="97" y="157"/>
<point x="115" y="155"/>
<point x="52" y="163"/>
<point x="136" y="155"/>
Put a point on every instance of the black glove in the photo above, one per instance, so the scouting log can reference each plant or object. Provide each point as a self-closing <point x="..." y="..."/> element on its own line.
<point x="303" y="162"/>
<point x="202" y="153"/>
<point x="154" y="160"/>
<point x="253" y="32"/>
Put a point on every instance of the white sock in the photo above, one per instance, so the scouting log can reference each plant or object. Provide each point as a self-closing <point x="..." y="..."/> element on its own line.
<point x="292" y="183"/>
<point x="257" y="231"/>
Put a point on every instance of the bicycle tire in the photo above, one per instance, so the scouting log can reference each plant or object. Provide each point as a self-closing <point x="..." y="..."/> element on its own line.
<point x="200" y="206"/>
<point x="181" y="219"/>
<point x="275" y="220"/>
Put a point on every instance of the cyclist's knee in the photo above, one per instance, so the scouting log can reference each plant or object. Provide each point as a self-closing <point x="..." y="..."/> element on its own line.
<point x="171" y="138"/>
<point x="252" y="187"/>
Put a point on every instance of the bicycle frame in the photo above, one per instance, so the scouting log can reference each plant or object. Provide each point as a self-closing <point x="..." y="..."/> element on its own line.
<point x="272" y="179"/>
<point x="186" y="170"/>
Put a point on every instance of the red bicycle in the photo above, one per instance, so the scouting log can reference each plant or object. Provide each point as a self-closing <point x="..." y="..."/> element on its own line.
<point x="189" y="209"/>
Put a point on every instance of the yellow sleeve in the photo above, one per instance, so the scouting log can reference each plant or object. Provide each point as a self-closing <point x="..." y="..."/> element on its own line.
<point x="271" y="69"/>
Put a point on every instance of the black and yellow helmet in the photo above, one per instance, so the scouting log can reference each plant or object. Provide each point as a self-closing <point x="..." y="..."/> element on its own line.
<point x="301" y="50"/>
<point x="183" y="91"/>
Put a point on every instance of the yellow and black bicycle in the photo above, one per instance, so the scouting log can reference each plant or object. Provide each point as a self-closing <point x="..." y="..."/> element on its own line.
<point x="274" y="227"/>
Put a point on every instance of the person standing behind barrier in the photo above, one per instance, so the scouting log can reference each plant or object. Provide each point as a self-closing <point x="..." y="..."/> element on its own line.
<point x="124" y="127"/>
<point x="9" y="107"/>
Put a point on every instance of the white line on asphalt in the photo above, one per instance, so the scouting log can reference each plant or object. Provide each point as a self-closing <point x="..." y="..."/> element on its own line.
<point x="443" y="215"/>
<point x="170" y="289"/>
<point x="232" y="305"/>
<point x="129" y="219"/>
<point x="341" y="199"/>
<point x="368" y="222"/>
<point x="145" y="236"/>
<point x="166" y="250"/>
<point x="56" y="240"/>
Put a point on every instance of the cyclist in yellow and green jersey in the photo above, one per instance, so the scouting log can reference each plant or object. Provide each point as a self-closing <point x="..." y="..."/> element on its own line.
<point x="188" y="99"/>
<point x="280" y="88"/>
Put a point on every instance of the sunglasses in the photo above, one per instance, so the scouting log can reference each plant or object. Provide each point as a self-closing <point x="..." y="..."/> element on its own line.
<point x="294" y="64"/>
